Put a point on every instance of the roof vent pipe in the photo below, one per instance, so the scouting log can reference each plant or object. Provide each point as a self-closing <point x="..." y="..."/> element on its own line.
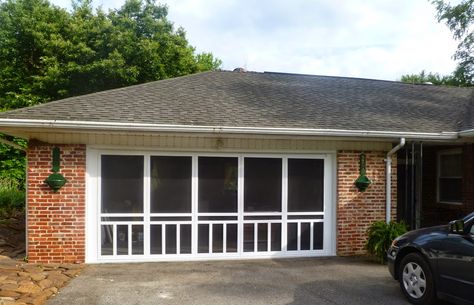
<point x="242" y="70"/>
<point x="388" y="179"/>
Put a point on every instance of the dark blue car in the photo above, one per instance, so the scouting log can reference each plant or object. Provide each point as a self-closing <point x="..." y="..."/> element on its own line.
<point x="436" y="263"/>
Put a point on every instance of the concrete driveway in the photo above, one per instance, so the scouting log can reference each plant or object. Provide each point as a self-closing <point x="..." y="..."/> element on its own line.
<point x="282" y="281"/>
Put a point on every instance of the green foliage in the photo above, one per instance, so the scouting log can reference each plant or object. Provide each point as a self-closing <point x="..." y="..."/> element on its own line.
<point x="380" y="237"/>
<point x="13" y="163"/>
<point x="12" y="200"/>
<point x="460" y="20"/>
<point x="48" y="53"/>
<point x="207" y="61"/>
<point x="433" y="78"/>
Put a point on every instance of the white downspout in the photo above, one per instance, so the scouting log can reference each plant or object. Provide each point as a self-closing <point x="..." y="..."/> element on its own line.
<point x="388" y="179"/>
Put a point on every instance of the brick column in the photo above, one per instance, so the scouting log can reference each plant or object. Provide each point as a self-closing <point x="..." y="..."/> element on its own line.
<point x="357" y="210"/>
<point x="56" y="221"/>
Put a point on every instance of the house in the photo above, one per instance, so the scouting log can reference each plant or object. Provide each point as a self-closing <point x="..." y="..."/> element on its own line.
<point x="234" y="165"/>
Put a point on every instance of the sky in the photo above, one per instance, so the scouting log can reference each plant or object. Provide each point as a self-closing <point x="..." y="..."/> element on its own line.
<point x="380" y="39"/>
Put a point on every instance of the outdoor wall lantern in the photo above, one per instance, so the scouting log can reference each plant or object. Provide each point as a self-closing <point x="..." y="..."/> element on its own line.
<point x="55" y="181"/>
<point x="363" y="182"/>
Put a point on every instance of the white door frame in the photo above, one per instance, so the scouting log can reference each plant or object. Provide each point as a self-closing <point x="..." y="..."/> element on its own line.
<point x="93" y="207"/>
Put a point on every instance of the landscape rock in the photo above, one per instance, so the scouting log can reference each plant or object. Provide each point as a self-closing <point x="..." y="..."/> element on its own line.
<point x="53" y="290"/>
<point x="28" y="288"/>
<point x="41" y="297"/>
<point x="72" y="272"/>
<point x="45" y="283"/>
<point x="9" y="293"/>
<point x="37" y="277"/>
<point x="9" y="286"/>
<point x="23" y="274"/>
<point x="58" y="280"/>
<point x="7" y="301"/>
<point x="32" y="268"/>
<point x="32" y="284"/>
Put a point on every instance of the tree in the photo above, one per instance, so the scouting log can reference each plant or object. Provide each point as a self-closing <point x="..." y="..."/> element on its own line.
<point x="432" y="78"/>
<point x="460" y="20"/>
<point x="12" y="164"/>
<point x="48" y="53"/>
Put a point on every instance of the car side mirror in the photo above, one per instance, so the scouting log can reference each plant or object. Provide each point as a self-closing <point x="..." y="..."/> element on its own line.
<point x="456" y="226"/>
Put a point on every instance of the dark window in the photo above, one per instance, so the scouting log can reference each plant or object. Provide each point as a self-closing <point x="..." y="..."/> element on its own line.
<point x="217" y="184"/>
<point x="292" y="236"/>
<point x="276" y="237"/>
<point x="122" y="240"/>
<point x="450" y="177"/>
<point x="170" y="239"/>
<point x="185" y="234"/>
<point x="262" y="185"/>
<point x="249" y="236"/>
<point x="203" y="238"/>
<point x="170" y="184"/>
<point x="107" y="239"/>
<point x="155" y="239"/>
<point x="318" y="235"/>
<point x="305" y="237"/>
<point x="262" y="238"/>
<point x="122" y="184"/>
<point x="305" y="185"/>
<point x="137" y="239"/>
<point x="231" y="238"/>
<point x="217" y="238"/>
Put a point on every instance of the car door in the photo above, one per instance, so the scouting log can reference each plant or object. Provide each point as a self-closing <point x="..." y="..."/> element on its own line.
<point x="456" y="264"/>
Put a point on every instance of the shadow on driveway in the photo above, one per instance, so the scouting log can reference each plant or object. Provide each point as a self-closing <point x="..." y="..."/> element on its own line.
<point x="279" y="282"/>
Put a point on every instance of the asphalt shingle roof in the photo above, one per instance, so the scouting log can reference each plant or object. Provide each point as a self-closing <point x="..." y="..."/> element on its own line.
<point x="251" y="99"/>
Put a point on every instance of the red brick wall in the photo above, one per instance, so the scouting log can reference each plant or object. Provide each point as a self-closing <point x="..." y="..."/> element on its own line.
<point x="468" y="179"/>
<point x="434" y="212"/>
<point x="56" y="221"/>
<point x="357" y="210"/>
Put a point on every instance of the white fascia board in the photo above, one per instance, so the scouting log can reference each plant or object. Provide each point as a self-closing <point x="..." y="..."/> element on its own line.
<point x="118" y="126"/>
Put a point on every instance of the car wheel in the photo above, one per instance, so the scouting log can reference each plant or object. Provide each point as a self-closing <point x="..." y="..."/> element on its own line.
<point x="416" y="280"/>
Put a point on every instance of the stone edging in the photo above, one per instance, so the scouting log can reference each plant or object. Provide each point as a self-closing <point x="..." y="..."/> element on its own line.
<point x="32" y="284"/>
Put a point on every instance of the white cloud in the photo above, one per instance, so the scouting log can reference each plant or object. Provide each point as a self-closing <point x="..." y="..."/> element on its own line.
<point x="374" y="39"/>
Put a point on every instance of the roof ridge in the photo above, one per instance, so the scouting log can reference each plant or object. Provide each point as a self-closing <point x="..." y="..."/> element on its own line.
<point x="365" y="79"/>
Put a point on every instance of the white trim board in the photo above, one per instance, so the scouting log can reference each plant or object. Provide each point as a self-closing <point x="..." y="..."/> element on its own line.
<point x="115" y="126"/>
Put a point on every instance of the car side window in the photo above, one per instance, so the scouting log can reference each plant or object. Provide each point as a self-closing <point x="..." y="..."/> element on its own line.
<point x="472" y="229"/>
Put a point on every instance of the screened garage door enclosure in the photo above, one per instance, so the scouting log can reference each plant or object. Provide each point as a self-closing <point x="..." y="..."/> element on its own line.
<point x="146" y="207"/>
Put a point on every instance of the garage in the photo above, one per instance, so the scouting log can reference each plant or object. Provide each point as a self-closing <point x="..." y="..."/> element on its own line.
<point x="150" y="206"/>
<point x="221" y="165"/>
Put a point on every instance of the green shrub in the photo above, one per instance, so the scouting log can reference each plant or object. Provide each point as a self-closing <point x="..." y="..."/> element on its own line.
<point x="12" y="199"/>
<point x="380" y="237"/>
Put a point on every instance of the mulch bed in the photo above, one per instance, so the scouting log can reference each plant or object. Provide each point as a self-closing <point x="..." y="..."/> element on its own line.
<point x="12" y="236"/>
